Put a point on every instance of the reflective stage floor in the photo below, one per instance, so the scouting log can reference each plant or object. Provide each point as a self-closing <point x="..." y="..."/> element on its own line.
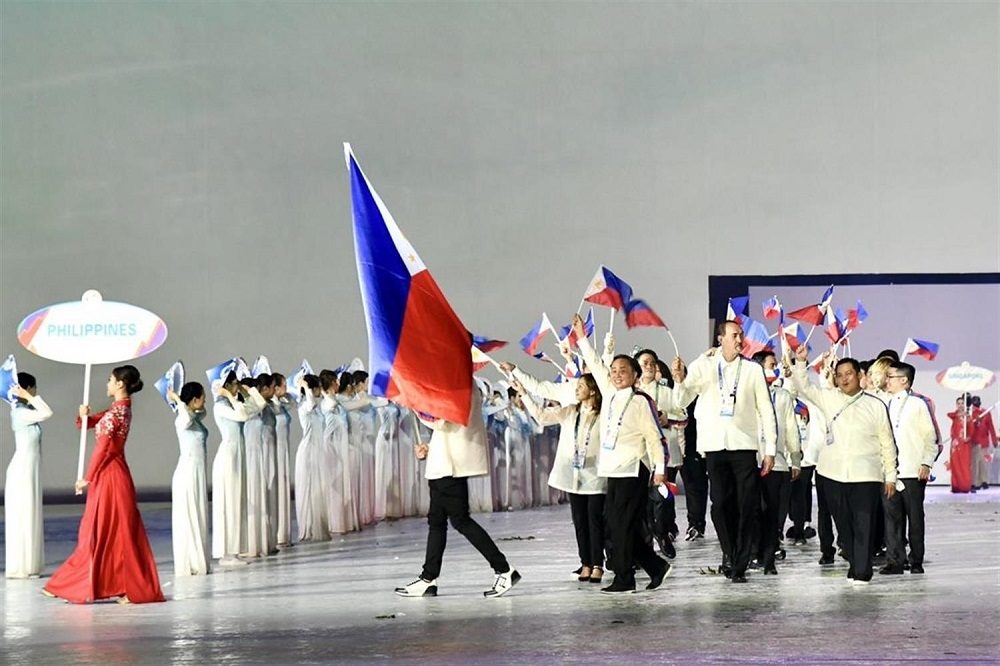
<point x="333" y="603"/>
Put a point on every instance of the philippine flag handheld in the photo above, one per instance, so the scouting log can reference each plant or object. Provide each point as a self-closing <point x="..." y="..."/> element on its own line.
<point x="772" y="308"/>
<point x="566" y="332"/>
<point x="638" y="313"/>
<point x="914" y="347"/>
<point x="735" y="309"/>
<point x="418" y="347"/>
<point x="487" y="345"/>
<point x="534" y="337"/>
<point x="608" y="289"/>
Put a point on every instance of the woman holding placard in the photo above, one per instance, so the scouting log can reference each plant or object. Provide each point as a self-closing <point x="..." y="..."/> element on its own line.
<point x="112" y="557"/>
<point x="23" y="494"/>
<point x="189" y="487"/>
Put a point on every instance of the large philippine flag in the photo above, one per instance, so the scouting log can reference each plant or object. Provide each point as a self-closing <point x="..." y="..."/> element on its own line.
<point x="418" y="348"/>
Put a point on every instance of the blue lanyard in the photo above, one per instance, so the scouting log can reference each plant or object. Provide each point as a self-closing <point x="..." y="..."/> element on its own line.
<point x="576" y="430"/>
<point x="841" y="410"/>
<point x="621" y="417"/>
<point x="736" y="382"/>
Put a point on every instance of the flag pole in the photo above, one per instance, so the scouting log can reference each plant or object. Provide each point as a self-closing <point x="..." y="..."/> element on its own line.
<point x="611" y="328"/>
<point x="677" y="353"/>
<point x="582" y="301"/>
<point x="83" y="425"/>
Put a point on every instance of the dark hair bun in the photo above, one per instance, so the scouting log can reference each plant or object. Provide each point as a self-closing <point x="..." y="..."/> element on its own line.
<point x="129" y="376"/>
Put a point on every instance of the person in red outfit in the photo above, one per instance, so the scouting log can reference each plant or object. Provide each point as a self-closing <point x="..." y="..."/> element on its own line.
<point x="112" y="557"/>
<point x="960" y="462"/>
<point x="984" y="435"/>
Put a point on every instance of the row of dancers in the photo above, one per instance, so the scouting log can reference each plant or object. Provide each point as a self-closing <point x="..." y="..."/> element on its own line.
<point x="353" y="466"/>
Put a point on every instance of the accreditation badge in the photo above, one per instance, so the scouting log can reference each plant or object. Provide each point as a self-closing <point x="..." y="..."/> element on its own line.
<point x="728" y="406"/>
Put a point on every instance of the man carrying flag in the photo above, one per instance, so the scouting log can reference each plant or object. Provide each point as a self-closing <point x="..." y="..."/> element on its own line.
<point x="419" y="357"/>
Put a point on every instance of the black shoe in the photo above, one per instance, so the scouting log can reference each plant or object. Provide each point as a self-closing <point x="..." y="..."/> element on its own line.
<point x="826" y="560"/>
<point x="906" y="566"/>
<point x="739" y="578"/>
<point x="619" y="586"/>
<point x="727" y="566"/>
<point x="754" y="564"/>
<point x="667" y="547"/>
<point x="780" y="554"/>
<point x="791" y="532"/>
<point x="984" y="486"/>
<point x="891" y="570"/>
<point x="657" y="580"/>
<point x="916" y="568"/>
<point x="770" y="570"/>
<point x="850" y="574"/>
<point x="809" y="532"/>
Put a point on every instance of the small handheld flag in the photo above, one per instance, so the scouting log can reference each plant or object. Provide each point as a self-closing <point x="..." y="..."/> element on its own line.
<point x="608" y="289"/>
<point x="923" y="348"/>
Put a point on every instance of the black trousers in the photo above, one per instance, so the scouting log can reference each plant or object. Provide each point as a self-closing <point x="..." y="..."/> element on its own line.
<point x="734" y="485"/>
<point x="800" y="503"/>
<point x="588" y="522"/>
<point x="694" y="473"/>
<point x="905" y="507"/>
<point x="855" y="507"/>
<point x="824" y="518"/>
<point x="772" y="487"/>
<point x="450" y="501"/>
<point x="625" y="508"/>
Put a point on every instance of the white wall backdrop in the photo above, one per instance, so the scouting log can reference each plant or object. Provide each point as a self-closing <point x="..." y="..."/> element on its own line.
<point x="187" y="158"/>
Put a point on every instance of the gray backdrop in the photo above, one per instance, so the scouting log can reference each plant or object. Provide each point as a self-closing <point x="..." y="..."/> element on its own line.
<point x="187" y="158"/>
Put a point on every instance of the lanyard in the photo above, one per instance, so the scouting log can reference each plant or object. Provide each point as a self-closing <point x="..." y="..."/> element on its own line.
<point x="736" y="382"/>
<point x="621" y="417"/>
<point x="576" y="430"/>
<point x="841" y="411"/>
<point x="899" y="414"/>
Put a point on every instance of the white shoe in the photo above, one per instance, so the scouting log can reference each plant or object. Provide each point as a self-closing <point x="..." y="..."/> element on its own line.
<point x="503" y="583"/>
<point x="859" y="583"/>
<point x="419" y="588"/>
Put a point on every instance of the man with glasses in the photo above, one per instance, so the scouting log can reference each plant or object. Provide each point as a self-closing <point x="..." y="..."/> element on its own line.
<point x="913" y="430"/>
<point x="857" y="461"/>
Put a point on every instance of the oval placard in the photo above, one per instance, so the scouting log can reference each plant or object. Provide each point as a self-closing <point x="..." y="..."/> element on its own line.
<point x="94" y="332"/>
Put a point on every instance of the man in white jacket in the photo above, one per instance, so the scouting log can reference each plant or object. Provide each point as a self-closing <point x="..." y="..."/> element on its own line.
<point x="916" y="441"/>
<point x="858" y="460"/>
<point x="455" y="453"/>
<point x="735" y="418"/>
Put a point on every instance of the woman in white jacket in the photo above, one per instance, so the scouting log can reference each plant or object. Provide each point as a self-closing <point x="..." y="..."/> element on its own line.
<point x="574" y="470"/>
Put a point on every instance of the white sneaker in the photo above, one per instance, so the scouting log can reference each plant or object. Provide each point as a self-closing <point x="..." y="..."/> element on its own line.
<point x="419" y="588"/>
<point x="503" y="583"/>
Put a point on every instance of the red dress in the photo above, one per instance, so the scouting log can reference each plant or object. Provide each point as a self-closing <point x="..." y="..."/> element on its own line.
<point x="961" y="453"/>
<point x="112" y="557"/>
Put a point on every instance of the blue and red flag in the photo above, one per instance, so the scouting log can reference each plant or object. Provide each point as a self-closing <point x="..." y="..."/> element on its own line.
<point x="608" y="289"/>
<point x="487" y="345"/>
<point x="736" y="307"/>
<point x="533" y="338"/>
<point x="855" y="316"/>
<point x="772" y="308"/>
<point x="567" y="333"/>
<point x="638" y="313"/>
<point x="834" y="328"/>
<point x="418" y="347"/>
<point x="914" y="347"/>
<point x="755" y="337"/>
<point x="814" y="314"/>
<point x="795" y="337"/>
